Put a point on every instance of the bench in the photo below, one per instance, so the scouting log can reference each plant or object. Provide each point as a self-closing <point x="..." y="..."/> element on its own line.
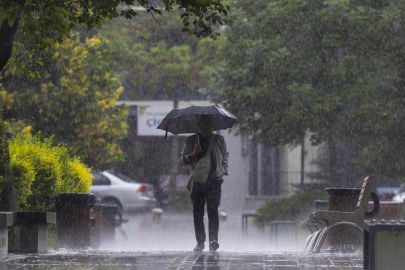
<point x="326" y="221"/>
<point x="324" y="218"/>
<point x="389" y="210"/>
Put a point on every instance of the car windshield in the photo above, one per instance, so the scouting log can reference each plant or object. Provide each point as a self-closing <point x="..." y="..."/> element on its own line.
<point x="125" y="178"/>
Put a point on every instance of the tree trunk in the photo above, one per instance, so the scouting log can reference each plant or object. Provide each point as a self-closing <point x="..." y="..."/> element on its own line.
<point x="266" y="169"/>
<point x="8" y="197"/>
<point x="332" y="163"/>
<point x="7" y="34"/>
<point x="253" y="169"/>
<point x="302" y="164"/>
<point x="278" y="171"/>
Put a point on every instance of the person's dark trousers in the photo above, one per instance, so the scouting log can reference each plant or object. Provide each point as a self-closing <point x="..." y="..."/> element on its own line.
<point x="210" y="193"/>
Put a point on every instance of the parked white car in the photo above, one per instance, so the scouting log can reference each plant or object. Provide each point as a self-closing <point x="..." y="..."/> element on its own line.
<point x="400" y="195"/>
<point x="122" y="191"/>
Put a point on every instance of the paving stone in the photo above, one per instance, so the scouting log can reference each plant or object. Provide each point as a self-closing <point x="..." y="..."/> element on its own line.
<point x="99" y="260"/>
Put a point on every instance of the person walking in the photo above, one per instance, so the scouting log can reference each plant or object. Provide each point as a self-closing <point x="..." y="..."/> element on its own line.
<point x="207" y="155"/>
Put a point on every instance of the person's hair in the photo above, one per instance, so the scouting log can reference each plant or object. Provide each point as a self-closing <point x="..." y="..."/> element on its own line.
<point x="205" y="118"/>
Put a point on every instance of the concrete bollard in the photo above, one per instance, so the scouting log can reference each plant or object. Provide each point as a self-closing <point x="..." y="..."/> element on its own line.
<point x="6" y="220"/>
<point x="74" y="223"/>
<point x="31" y="231"/>
<point x="157" y="214"/>
<point x="222" y="214"/>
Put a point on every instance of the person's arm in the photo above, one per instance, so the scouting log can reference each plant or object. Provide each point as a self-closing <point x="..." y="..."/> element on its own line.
<point x="224" y="164"/>
<point x="189" y="152"/>
<point x="225" y="158"/>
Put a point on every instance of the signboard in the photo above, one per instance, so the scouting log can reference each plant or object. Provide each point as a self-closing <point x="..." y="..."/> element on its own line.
<point x="149" y="117"/>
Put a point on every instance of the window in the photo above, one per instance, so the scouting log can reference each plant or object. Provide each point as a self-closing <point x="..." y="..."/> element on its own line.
<point x="100" y="180"/>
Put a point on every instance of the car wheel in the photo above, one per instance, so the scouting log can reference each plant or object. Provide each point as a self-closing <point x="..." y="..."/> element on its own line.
<point x="112" y="201"/>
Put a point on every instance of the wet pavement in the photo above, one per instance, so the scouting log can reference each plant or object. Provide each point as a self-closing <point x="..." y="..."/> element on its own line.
<point x="144" y="243"/>
<point x="175" y="232"/>
<point x="182" y="261"/>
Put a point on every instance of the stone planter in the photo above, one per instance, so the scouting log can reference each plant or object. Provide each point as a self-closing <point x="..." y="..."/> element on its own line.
<point x="6" y="220"/>
<point x="31" y="231"/>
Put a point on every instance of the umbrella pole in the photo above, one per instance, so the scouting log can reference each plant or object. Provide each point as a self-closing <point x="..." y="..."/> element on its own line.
<point x="198" y="132"/>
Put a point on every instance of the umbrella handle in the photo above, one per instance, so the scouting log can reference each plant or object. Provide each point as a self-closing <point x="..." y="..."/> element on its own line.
<point x="166" y="134"/>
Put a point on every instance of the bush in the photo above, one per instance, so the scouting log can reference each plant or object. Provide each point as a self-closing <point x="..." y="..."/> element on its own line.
<point x="24" y="175"/>
<point x="4" y="159"/>
<point x="296" y="207"/>
<point x="76" y="176"/>
<point x="42" y="171"/>
<point x="181" y="201"/>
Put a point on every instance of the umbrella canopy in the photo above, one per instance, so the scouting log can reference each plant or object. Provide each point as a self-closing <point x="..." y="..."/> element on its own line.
<point x="185" y="120"/>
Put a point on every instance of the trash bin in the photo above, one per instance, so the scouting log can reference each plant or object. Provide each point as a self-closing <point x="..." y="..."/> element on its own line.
<point x="111" y="216"/>
<point x="321" y="204"/>
<point x="96" y="225"/>
<point x="73" y="219"/>
<point x="384" y="245"/>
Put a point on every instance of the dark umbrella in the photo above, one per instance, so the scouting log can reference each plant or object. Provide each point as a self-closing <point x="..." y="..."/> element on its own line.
<point x="185" y="120"/>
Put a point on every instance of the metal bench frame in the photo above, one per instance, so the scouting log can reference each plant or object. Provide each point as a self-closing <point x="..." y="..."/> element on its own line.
<point x="323" y="220"/>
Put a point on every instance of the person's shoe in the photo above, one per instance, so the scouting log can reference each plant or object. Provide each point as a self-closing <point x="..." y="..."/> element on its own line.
<point x="199" y="247"/>
<point x="214" y="246"/>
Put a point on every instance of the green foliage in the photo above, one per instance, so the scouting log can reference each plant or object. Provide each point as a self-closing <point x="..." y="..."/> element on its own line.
<point x="157" y="61"/>
<point x="53" y="243"/>
<point x="42" y="171"/>
<point x="78" y="177"/>
<point x="4" y="159"/>
<point x="32" y="158"/>
<point x="44" y="23"/>
<point x="74" y="101"/>
<point x="24" y="176"/>
<point x="181" y="201"/>
<point x="332" y="68"/>
<point x="296" y="207"/>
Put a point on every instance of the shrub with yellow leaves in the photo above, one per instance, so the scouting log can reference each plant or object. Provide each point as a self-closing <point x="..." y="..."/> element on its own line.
<point x="42" y="171"/>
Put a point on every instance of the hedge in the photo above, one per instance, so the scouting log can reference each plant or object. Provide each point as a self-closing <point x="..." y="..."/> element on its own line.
<point x="42" y="171"/>
<point x="296" y="207"/>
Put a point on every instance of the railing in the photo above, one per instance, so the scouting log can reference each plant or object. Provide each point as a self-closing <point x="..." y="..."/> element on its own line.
<point x="289" y="183"/>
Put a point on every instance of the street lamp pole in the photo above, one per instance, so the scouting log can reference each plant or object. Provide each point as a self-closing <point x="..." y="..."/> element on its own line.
<point x="175" y="160"/>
